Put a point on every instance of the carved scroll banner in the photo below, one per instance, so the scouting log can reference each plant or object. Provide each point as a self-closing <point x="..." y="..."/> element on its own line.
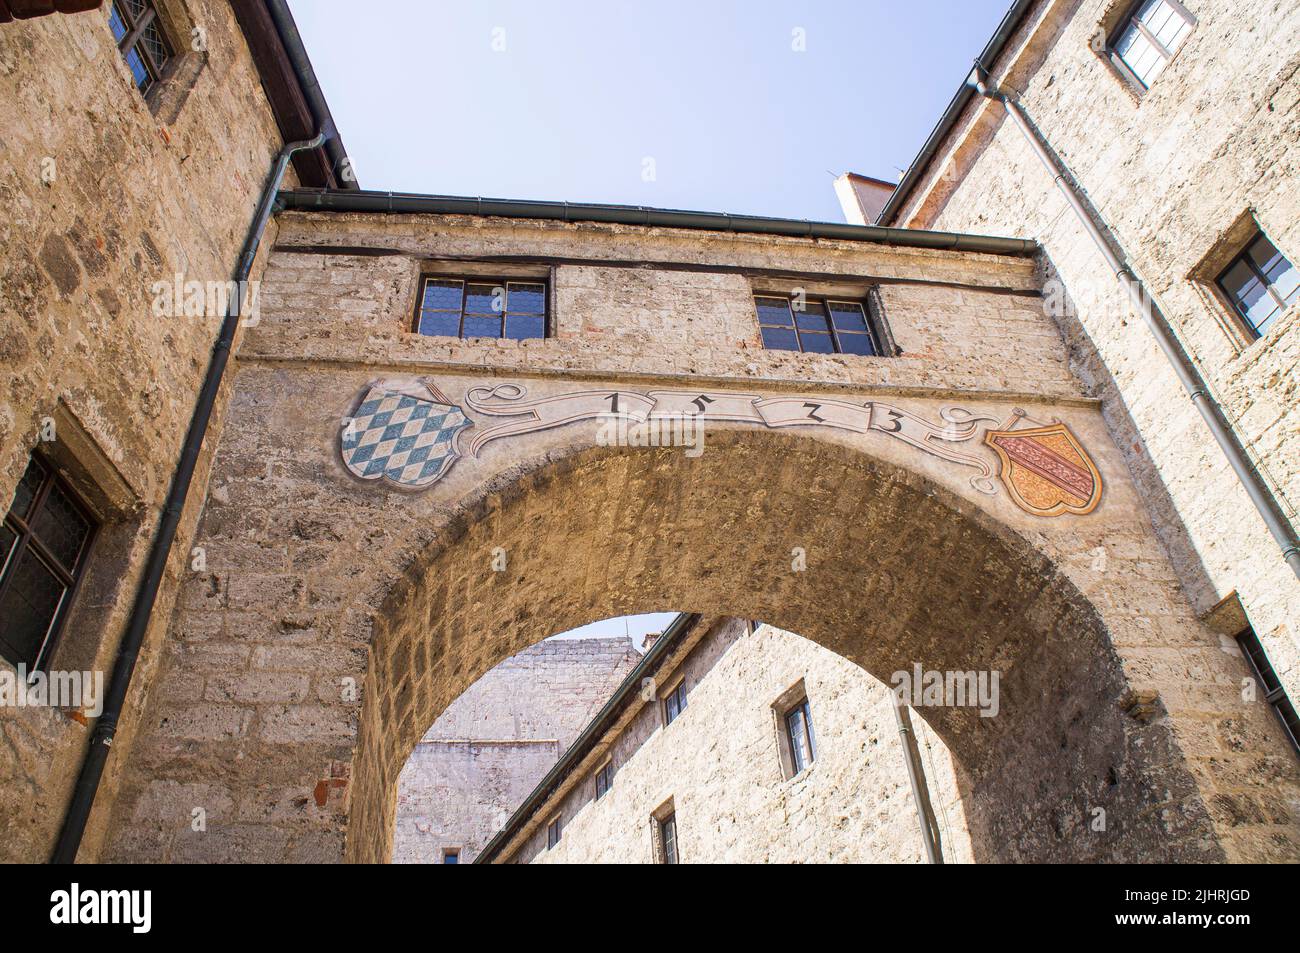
<point x="411" y="435"/>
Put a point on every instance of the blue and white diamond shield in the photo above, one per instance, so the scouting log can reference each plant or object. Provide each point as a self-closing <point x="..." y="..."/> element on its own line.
<point x="408" y="440"/>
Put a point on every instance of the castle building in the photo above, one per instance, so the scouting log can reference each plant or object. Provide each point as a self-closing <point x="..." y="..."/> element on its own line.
<point x="1175" y="127"/>
<point x="744" y="744"/>
<point x="292" y="464"/>
<point x="494" y="743"/>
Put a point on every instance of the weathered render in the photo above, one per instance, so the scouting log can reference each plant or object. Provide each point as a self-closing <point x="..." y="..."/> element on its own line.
<point x="493" y="744"/>
<point x="338" y="616"/>
<point x="1181" y="174"/>
<point x="719" y="765"/>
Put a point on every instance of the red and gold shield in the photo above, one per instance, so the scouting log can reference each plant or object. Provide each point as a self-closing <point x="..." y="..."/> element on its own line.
<point x="1046" y="470"/>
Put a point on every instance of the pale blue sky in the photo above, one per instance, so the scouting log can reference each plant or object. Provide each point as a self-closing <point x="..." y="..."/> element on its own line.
<point x="635" y="626"/>
<point x="567" y="99"/>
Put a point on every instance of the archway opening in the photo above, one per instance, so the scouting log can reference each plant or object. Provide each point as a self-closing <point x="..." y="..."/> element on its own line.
<point x="871" y="561"/>
<point x="770" y="748"/>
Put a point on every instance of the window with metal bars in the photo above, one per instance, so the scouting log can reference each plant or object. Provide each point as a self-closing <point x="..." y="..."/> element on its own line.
<point x="814" y="325"/>
<point x="1261" y="283"/>
<point x="1148" y="38"/>
<point x="482" y="308"/>
<point x="1274" y="693"/>
<point x="141" y="40"/>
<point x="43" y="544"/>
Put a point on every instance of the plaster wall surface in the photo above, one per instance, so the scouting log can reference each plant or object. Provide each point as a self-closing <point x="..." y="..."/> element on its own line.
<point x="1183" y="174"/>
<point x="719" y="764"/>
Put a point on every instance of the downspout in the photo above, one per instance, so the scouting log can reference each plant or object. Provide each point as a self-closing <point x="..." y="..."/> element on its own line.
<point x="101" y="737"/>
<point x="1197" y="389"/>
<point x="920" y="792"/>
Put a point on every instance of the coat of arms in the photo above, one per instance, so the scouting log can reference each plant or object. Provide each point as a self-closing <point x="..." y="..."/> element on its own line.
<point x="406" y="432"/>
<point x="1046" y="470"/>
<point x="403" y="434"/>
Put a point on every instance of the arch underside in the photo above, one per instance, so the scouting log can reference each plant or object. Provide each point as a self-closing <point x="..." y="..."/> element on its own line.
<point x="898" y="571"/>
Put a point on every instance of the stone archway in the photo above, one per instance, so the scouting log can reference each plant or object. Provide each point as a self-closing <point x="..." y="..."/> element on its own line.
<point x="338" y="617"/>
<point x="898" y="571"/>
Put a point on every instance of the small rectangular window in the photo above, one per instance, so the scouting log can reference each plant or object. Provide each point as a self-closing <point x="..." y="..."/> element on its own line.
<point x="668" y="838"/>
<point x="1149" y="37"/>
<point x="814" y="325"/>
<point x="140" y="40"/>
<point x="553" y="832"/>
<point x="604" y="779"/>
<point x="675" y="703"/>
<point x="43" y="544"/>
<point x="481" y="308"/>
<point x="1261" y="283"/>
<point x="665" y="848"/>
<point x="451" y="856"/>
<point x="799" y="736"/>
<point x="1274" y="693"/>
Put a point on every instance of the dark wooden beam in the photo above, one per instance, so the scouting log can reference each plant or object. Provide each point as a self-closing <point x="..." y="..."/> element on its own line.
<point x="292" y="113"/>
<point x="11" y="10"/>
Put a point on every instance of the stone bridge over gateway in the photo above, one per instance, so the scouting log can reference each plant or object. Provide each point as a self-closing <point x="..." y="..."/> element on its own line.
<point x="391" y="514"/>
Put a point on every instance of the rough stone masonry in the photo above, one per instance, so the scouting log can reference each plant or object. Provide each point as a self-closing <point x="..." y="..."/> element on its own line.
<point x="495" y="742"/>
<point x="857" y="501"/>
<point x="318" y="582"/>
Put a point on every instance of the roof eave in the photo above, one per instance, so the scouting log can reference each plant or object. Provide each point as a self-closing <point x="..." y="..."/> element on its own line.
<point x="333" y="200"/>
<point x="293" y="92"/>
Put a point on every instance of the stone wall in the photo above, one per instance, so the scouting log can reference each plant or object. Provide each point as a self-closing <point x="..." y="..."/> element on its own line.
<point x="1177" y="173"/>
<point x="103" y="195"/>
<point x="454" y="795"/>
<point x="492" y="745"/>
<point x="339" y="617"/>
<point x="719" y="764"/>
<point x="656" y="303"/>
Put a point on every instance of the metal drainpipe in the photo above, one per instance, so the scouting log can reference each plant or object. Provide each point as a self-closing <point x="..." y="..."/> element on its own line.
<point x="101" y="738"/>
<point x="920" y="792"/>
<point x="1258" y="491"/>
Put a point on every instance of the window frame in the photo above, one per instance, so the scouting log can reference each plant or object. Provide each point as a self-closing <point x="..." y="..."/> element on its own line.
<point x="451" y="852"/>
<point x="131" y="41"/>
<point x="1252" y="650"/>
<point x="1243" y="256"/>
<point x="872" y="333"/>
<point x="678" y="692"/>
<point x="496" y="281"/>
<point x="809" y="735"/>
<point x="787" y="703"/>
<point x="662" y="819"/>
<point x="606" y="771"/>
<point x="24" y="538"/>
<point x="1122" y="24"/>
<point x="666" y="824"/>
<point x="555" y="827"/>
